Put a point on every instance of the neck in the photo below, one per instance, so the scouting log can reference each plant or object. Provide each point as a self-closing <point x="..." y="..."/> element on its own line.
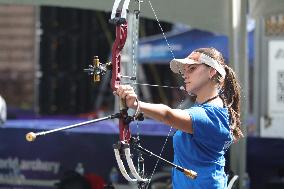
<point x="204" y="95"/>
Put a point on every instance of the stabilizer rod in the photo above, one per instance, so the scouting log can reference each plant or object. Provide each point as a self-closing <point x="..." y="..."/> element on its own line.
<point x="31" y="136"/>
<point x="189" y="173"/>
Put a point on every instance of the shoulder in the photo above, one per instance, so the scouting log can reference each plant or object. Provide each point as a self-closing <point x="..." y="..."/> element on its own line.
<point x="208" y="109"/>
<point x="210" y="121"/>
<point x="217" y="114"/>
<point x="209" y="114"/>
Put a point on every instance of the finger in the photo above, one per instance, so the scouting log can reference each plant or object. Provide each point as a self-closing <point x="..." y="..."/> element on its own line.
<point x="120" y="89"/>
<point x="126" y="87"/>
<point x="123" y="89"/>
<point x="126" y="93"/>
<point x="131" y="96"/>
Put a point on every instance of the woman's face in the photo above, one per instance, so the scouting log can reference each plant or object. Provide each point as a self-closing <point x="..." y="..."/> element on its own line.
<point x="195" y="77"/>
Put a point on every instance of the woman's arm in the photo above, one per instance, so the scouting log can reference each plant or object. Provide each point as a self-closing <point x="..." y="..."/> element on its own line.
<point x="176" y="118"/>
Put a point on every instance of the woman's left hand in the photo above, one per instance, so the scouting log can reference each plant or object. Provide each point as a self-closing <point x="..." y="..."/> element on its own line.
<point x="127" y="92"/>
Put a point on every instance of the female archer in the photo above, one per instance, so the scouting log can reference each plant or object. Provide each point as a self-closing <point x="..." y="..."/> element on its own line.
<point x="208" y="128"/>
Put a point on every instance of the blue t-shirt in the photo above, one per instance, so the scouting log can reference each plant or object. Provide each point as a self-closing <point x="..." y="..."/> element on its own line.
<point x="203" y="151"/>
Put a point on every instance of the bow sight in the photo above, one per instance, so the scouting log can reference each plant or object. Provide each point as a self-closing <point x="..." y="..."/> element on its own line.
<point x="98" y="69"/>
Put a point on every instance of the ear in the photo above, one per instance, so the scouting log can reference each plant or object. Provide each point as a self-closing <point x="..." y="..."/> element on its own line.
<point x="212" y="72"/>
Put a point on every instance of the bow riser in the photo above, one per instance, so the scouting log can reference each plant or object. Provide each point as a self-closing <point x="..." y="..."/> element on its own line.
<point x="121" y="36"/>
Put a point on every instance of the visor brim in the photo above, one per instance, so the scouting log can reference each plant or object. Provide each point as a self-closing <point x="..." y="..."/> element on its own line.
<point x="176" y="65"/>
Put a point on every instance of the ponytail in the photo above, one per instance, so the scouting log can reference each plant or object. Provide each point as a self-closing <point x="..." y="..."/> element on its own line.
<point x="230" y="94"/>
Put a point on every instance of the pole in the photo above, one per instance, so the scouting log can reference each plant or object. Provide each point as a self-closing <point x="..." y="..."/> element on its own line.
<point x="239" y="61"/>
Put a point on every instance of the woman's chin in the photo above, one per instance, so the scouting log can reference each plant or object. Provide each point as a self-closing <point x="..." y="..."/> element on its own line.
<point x="190" y="91"/>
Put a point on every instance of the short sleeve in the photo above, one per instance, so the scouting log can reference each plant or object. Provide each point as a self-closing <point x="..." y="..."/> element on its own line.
<point x="208" y="126"/>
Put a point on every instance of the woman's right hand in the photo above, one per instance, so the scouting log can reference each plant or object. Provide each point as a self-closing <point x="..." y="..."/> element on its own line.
<point x="127" y="92"/>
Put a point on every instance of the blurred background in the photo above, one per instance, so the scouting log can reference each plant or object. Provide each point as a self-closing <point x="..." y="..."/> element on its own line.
<point x="46" y="45"/>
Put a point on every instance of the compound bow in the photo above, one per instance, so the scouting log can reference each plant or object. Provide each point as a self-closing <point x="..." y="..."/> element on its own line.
<point x="122" y="148"/>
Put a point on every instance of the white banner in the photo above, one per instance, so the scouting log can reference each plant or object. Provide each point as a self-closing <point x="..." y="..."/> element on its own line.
<point x="273" y="124"/>
<point x="276" y="78"/>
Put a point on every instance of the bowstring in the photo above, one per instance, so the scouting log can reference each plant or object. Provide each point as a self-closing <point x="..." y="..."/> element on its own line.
<point x="162" y="30"/>
<point x="173" y="56"/>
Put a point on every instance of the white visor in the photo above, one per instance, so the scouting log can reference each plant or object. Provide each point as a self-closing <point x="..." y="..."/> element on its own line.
<point x="176" y="65"/>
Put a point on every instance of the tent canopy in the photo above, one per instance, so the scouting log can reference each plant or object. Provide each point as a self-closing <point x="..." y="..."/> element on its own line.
<point x="155" y="49"/>
<point x="202" y="14"/>
<point x="207" y="15"/>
